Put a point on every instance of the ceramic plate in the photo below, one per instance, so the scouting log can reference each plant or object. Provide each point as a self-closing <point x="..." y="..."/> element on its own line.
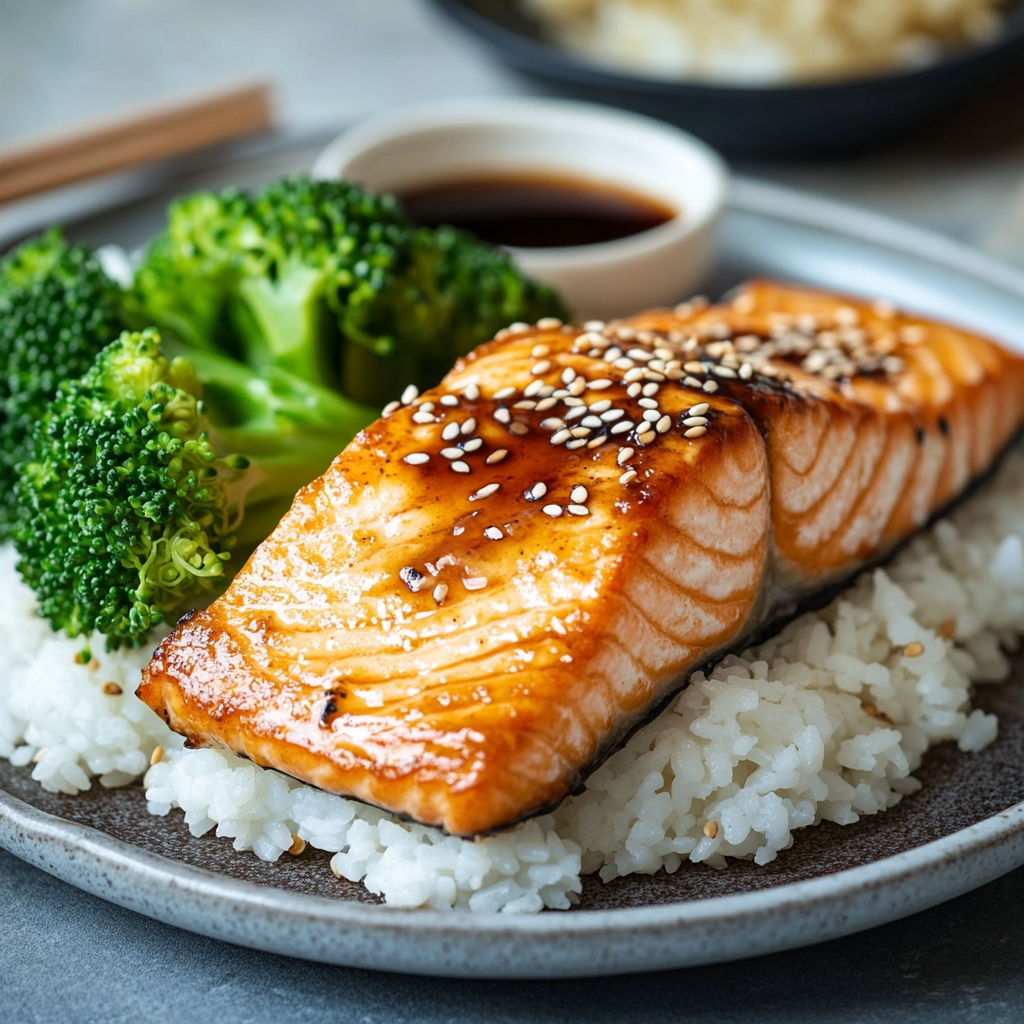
<point x="963" y="829"/>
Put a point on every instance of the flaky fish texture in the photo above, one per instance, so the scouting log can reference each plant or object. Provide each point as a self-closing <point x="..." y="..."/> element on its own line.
<point x="500" y="578"/>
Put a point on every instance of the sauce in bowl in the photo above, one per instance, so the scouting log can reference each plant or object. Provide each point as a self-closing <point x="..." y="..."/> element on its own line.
<point x="537" y="211"/>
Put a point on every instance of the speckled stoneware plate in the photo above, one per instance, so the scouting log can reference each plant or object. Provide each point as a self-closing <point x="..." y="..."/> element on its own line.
<point x="963" y="829"/>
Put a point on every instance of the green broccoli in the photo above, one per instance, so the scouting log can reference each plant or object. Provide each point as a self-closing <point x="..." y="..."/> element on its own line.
<point x="329" y="282"/>
<point x="57" y="310"/>
<point x="130" y="507"/>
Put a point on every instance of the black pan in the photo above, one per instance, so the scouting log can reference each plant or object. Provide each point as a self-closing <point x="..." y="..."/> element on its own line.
<point x="851" y="114"/>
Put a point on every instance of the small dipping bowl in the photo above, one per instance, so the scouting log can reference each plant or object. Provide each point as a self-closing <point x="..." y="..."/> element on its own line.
<point x="449" y="141"/>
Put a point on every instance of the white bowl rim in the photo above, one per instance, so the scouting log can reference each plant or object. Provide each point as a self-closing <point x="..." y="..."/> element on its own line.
<point x="490" y="111"/>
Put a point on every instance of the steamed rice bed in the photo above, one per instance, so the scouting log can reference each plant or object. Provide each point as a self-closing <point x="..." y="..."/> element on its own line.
<point x="827" y="721"/>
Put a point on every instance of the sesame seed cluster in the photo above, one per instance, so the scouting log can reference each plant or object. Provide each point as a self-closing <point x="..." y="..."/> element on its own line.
<point x="632" y="366"/>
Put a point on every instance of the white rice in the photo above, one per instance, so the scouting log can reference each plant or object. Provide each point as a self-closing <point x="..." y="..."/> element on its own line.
<point x="827" y="721"/>
<point x="765" y="42"/>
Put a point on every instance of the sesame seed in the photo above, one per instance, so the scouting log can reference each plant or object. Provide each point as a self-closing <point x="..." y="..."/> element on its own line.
<point x="451" y="453"/>
<point x="578" y="510"/>
<point x="560" y="436"/>
<point x="613" y="353"/>
<point x="710" y="829"/>
<point x="552" y="423"/>
<point x="622" y="363"/>
<point x="576" y="442"/>
<point x="579" y="494"/>
<point x="495" y="457"/>
<point x="578" y="386"/>
<point x="526" y="404"/>
<point x="674" y="373"/>
<point x="561" y="393"/>
<point x="699" y="409"/>
<point x="601" y="406"/>
<point x="422" y="417"/>
<point x="542" y="367"/>
<point x="157" y="756"/>
<point x="663" y="425"/>
<point x="504" y="393"/>
<point x="746" y="371"/>
<point x="111" y="689"/>
<point x="580" y="431"/>
<point x="533" y="388"/>
<point x="636" y="373"/>
<point x="622" y="428"/>
<point x="519" y="429"/>
<point x="634" y="389"/>
<point x="647" y="437"/>
<point x="549" y="323"/>
<point x="469" y="426"/>
<point x="475" y="582"/>
<point x="461" y="467"/>
<point x="647" y="403"/>
<point x="572" y="401"/>
<point x="698" y="368"/>
<point x="546" y="403"/>
<point x="597" y="441"/>
<point x="568" y="375"/>
<point x="390" y="408"/>
<point x="471" y="393"/>
<point x="553" y="510"/>
<point x="493" y="533"/>
<point x="458" y="531"/>
<point x="594" y="326"/>
<point x="537" y="491"/>
<point x="724" y="371"/>
<point x="518" y="327"/>
<point x="914" y="649"/>
<point x="417" y="458"/>
<point x="710" y="387"/>
<point x="450" y="432"/>
<point x="695" y="432"/>
<point x="611" y="415"/>
<point x="410" y="394"/>
<point x="650" y="390"/>
<point x="652" y="415"/>
<point x="695" y="421"/>
<point x="440" y="593"/>
<point x="575" y="412"/>
<point x="600" y="384"/>
<point x="539" y="350"/>
<point x="591" y="421"/>
<point x="691" y="382"/>
<point x="640" y="354"/>
<point x="628" y="477"/>
<point x="472" y="444"/>
<point x="625" y="454"/>
<point x="502" y="415"/>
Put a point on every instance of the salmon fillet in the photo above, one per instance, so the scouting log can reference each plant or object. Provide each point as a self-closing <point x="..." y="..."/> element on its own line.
<point x="498" y="580"/>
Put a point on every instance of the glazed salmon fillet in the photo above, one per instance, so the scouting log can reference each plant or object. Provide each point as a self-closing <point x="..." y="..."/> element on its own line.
<point x="499" y="579"/>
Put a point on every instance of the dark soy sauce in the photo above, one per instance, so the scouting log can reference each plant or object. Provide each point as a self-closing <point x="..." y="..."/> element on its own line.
<point x="537" y="211"/>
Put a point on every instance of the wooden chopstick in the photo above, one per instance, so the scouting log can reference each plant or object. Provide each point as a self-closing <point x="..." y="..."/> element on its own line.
<point x="150" y="133"/>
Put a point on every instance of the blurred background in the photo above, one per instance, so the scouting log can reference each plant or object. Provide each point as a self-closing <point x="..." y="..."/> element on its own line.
<point x="331" y="63"/>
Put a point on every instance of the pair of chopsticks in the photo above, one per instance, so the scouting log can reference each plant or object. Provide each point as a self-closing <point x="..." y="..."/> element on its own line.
<point x="141" y="136"/>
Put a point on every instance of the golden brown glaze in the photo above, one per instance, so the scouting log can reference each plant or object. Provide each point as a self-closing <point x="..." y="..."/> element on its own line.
<point x="422" y="632"/>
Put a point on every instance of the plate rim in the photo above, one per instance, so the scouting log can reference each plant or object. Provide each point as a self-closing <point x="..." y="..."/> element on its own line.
<point x="91" y="859"/>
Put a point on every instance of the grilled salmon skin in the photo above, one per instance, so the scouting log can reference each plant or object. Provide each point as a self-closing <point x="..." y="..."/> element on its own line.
<point x="500" y="578"/>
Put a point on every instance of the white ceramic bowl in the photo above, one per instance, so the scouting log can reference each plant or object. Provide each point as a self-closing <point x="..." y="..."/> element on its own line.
<point x="446" y="141"/>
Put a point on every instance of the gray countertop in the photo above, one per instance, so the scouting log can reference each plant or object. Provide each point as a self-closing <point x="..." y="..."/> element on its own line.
<point x="67" y="956"/>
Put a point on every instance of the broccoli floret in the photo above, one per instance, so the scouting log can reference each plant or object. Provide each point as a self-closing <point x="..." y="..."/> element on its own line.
<point x="130" y="508"/>
<point x="330" y="282"/>
<point x="57" y="310"/>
